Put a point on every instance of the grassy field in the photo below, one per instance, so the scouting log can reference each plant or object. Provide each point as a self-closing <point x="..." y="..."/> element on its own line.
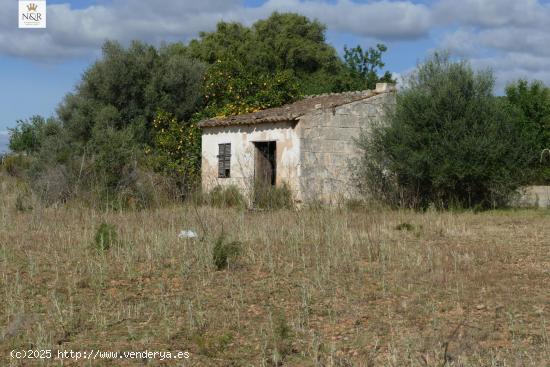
<point x="314" y="287"/>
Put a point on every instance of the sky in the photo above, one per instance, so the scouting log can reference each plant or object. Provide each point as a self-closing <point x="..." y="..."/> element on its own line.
<point x="39" y="66"/>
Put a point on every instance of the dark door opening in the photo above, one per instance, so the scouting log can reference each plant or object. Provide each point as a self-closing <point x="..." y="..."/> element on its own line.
<point x="265" y="165"/>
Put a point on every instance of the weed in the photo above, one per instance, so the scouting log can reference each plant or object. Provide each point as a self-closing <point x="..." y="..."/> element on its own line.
<point x="404" y="227"/>
<point x="355" y="204"/>
<point x="105" y="237"/>
<point x="347" y="287"/>
<point x="15" y="164"/>
<point x="225" y="252"/>
<point x="226" y="197"/>
<point x="20" y="203"/>
<point x="213" y="345"/>
<point x="272" y="197"/>
<point x="282" y="338"/>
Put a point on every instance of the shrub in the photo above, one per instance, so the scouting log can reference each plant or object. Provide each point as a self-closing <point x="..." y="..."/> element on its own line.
<point x="142" y="189"/>
<point x="272" y="197"/>
<point x="53" y="184"/>
<point x="226" y="197"/>
<point x="29" y="135"/>
<point x="225" y="252"/>
<point x="16" y="164"/>
<point x="114" y="158"/>
<point x="21" y="204"/>
<point x="449" y="142"/>
<point x="533" y="100"/>
<point x="196" y="197"/>
<point x="105" y="237"/>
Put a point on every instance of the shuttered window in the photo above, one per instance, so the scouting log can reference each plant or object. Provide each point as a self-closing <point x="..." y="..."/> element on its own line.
<point x="224" y="160"/>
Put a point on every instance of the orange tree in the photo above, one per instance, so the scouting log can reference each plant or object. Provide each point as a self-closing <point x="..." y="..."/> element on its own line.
<point x="176" y="148"/>
<point x="231" y="89"/>
<point x="228" y="89"/>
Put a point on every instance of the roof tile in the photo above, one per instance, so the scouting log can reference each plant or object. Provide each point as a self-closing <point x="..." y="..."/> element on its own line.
<point x="293" y="111"/>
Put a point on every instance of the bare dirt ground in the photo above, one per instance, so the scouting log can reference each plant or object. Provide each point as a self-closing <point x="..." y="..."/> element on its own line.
<point x="314" y="287"/>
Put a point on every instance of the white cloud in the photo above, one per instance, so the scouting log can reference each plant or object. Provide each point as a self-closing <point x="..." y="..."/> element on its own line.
<point x="74" y="32"/>
<point x="491" y="13"/>
<point x="381" y="19"/>
<point x="508" y="35"/>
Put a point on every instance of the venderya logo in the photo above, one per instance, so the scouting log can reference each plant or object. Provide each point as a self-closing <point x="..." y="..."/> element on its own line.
<point x="32" y="14"/>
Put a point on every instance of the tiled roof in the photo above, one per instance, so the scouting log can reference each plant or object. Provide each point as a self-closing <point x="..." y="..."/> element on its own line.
<point x="293" y="111"/>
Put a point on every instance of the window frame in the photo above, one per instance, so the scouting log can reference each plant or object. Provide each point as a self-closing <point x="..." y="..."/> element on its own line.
<point x="224" y="160"/>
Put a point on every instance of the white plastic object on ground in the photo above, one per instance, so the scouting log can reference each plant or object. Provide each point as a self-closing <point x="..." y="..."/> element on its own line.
<point x="187" y="234"/>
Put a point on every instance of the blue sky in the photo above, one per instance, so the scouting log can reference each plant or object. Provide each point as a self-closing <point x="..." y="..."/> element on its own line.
<point x="38" y="67"/>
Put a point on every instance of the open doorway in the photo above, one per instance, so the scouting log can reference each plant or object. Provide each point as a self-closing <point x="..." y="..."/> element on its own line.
<point x="265" y="165"/>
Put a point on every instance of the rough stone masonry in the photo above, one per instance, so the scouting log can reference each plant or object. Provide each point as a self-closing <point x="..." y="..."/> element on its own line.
<point x="314" y="143"/>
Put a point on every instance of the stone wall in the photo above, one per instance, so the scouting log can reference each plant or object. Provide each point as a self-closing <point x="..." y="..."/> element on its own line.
<point x="328" y="147"/>
<point x="534" y="196"/>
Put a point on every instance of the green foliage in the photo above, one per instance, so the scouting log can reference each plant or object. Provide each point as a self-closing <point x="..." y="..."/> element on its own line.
<point x="533" y="99"/>
<point x="176" y="148"/>
<point x="283" y="44"/>
<point x="225" y="252"/>
<point x="226" y="197"/>
<point x="449" y="142"/>
<point x="105" y="237"/>
<point x="292" y="41"/>
<point x="29" y="135"/>
<point x="126" y="87"/>
<point x="282" y="337"/>
<point x="364" y="67"/>
<point x="273" y="197"/>
<point x="113" y="156"/>
<point x="137" y="107"/>
<point x="231" y="89"/>
<point x="97" y="147"/>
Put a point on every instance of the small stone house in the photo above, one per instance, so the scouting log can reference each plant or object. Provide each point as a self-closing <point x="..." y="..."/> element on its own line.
<point x="308" y="144"/>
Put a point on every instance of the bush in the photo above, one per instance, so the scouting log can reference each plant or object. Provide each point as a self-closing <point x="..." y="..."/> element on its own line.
<point x="272" y="197"/>
<point x="29" y="135"/>
<point x="21" y="204"/>
<point x="16" y="164"/>
<point x="226" y="197"/>
<point x="533" y="100"/>
<point x="225" y="252"/>
<point x="114" y="158"/>
<point x="196" y="197"/>
<point x="105" y="237"/>
<point x="449" y="142"/>
<point x="146" y="190"/>
<point x="53" y="184"/>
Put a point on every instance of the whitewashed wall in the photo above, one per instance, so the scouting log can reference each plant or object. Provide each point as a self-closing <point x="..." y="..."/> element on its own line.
<point x="242" y="140"/>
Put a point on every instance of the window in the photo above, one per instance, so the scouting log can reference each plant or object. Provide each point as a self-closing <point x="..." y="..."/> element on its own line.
<point x="224" y="160"/>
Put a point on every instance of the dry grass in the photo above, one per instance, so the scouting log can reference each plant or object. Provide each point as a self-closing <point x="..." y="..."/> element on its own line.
<point x="315" y="287"/>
